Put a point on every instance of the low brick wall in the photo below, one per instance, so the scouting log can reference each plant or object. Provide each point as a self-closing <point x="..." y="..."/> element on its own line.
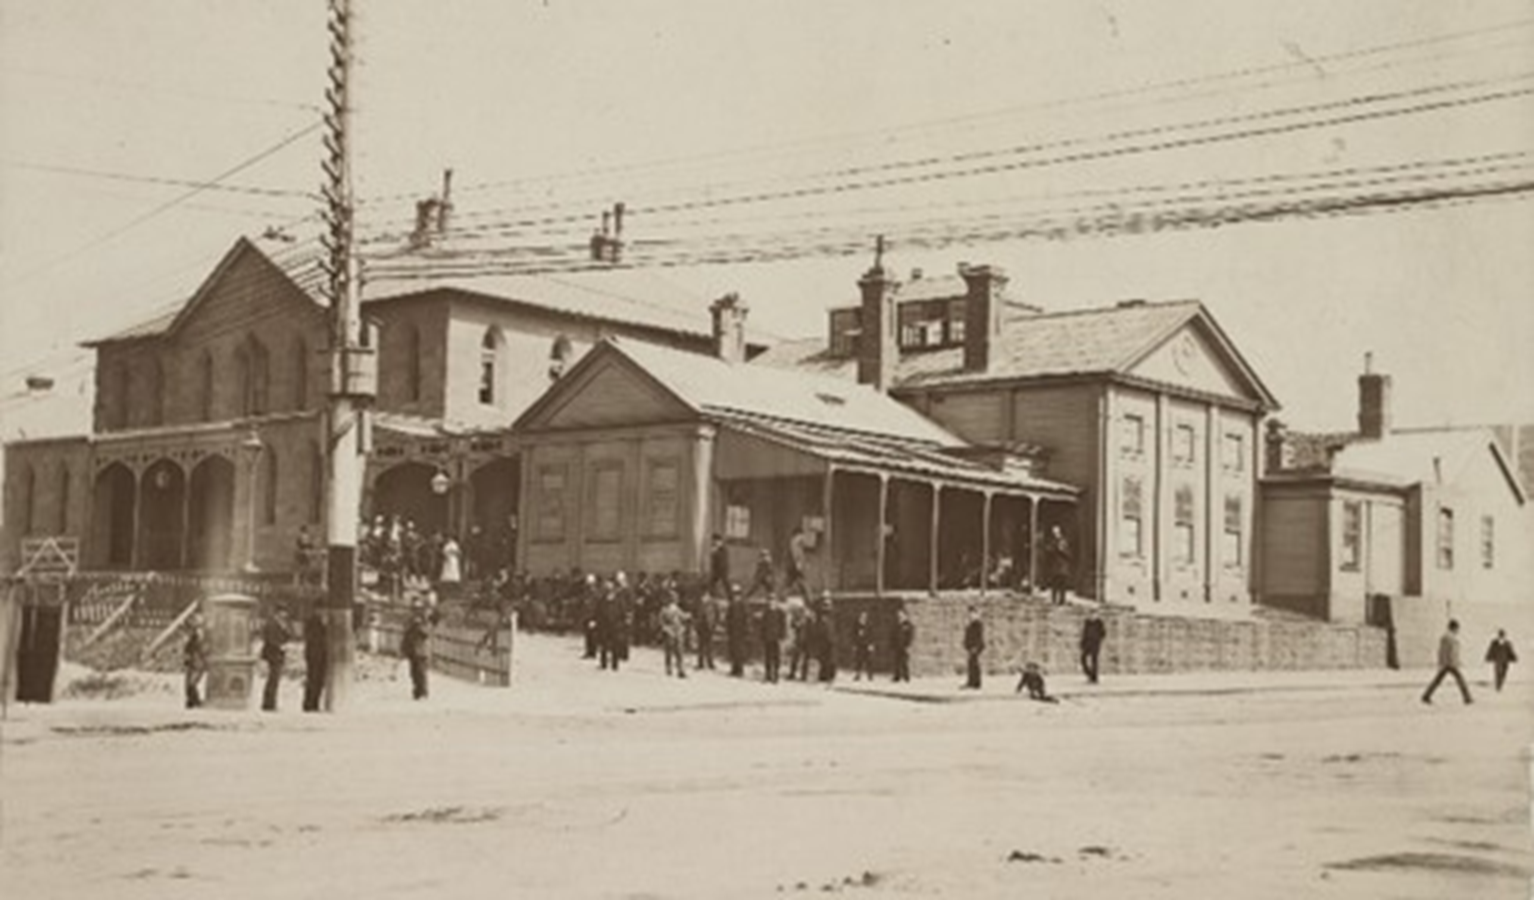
<point x="1020" y="630"/>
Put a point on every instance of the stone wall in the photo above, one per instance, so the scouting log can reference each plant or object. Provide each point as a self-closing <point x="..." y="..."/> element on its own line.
<point x="1019" y="631"/>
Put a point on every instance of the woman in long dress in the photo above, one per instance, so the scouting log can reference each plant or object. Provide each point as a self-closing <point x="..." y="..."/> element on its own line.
<point x="452" y="567"/>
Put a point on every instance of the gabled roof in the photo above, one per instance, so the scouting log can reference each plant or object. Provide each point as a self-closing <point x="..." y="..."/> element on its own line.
<point x="167" y="322"/>
<point x="711" y="387"/>
<point x="1425" y="456"/>
<point x="1102" y="341"/>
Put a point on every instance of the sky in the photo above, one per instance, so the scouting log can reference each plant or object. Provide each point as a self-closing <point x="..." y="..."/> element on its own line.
<point x="550" y="112"/>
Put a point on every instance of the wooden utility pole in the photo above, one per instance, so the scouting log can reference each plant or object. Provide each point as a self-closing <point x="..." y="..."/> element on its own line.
<point x="353" y="367"/>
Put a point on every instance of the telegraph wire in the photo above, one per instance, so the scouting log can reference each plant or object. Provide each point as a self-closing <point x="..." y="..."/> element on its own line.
<point x="157" y="180"/>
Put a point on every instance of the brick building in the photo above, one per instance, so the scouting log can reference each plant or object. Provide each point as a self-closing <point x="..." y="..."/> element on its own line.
<point x="205" y="453"/>
<point x="1147" y="408"/>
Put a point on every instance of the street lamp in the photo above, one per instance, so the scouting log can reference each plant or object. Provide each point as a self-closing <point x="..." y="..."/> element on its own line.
<point x="250" y="448"/>
<point x="440" y="482"/>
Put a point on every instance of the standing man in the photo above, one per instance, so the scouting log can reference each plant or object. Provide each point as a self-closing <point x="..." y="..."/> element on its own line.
<point x="798" y="551"/>
<point x="719" y="568"/>
<point x="1059" y="556"/>
<point x="194" y="659"/>
<point x="1500" y="654"/>
<point x="274" y="636"/>
<point x="1093" y="631"/>
<point x="762" y="577"/>
<point x="825" y="639"/>
<point x="1448" y="664"/>
<point x="774" y="626"/>
<point x="735" y="625"/>
<point x="905" y="635"/>
<point x="974" y="645"/>
<point x="703" y="627"/>
<point x="316" y="661"/>
<point x="413" y="648"/>
<point x="799" y="625"/>
<point x="862" y="648"/>
<point x="673" y="630"/>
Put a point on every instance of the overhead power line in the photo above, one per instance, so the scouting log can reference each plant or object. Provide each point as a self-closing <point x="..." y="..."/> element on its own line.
<point x="153" y="179"/>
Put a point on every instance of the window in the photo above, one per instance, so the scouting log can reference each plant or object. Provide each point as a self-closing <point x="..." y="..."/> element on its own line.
<point x="930" y="323"/>
<point x="1445" y="538"/>
<point x="845" y="324"/>
<point x="205" y="387"/>
<point x="606" y="509"/>
<point x="64" y="499"/>
<point x="737" y="523"/>
<point x="1352" y="535"/>
<point x="550" y="524"/>
<point x="661" y="501"/>
<point x="300" y="374"/>
<point x="269" y="488"/>
<point x="1233" y="453"/>
<point x="1488" y="542"/>
<point x="1131" y="518"/>
<point x="1231" y="541"/>
<point x="956" y="314"/>
<point x="1183" y="531"/>
<point x="413" y="364"/>
<point x="1182" y="445"/>
<point x="489" y="364"/>
<point x="1133" y="441"/>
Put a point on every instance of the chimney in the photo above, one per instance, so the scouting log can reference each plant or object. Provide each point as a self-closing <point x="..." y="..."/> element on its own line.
<point x="982" y="313"/>
<point x="1373" y="401"/>
<point x="878" y="353"/>
<point x="425" y="222"/>
<point x="729" y="314"/>
<point x="445" y="208"/>
<point x="1273" y="455"/>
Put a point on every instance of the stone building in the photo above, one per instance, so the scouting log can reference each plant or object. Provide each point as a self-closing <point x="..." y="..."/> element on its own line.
<point x="205" y="453"/>
<point x="1147" y="408"/>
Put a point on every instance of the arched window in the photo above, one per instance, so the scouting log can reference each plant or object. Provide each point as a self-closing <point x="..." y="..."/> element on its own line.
<point x="490" y="366"/>
<point x="269" y="487"/>
<point x="154" y="383"/>
<point x="205" y="387"/>
<point x="316" y="481"/>
<point x="412" y="363"/>
<point x="64" y="499"/>
<point x="300" y="374"/>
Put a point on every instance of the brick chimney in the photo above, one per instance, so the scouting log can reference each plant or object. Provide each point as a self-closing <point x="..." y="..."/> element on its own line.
<point x="729" y="314"/>
<point x="1274" y="457"/>
<point x="982" y="313"/>
<point x="1373" y="401"/>
<point x="878" y="353"/>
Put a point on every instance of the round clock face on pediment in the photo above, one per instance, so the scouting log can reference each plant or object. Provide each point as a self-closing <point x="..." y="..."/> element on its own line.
<point x="1184" y="352"/>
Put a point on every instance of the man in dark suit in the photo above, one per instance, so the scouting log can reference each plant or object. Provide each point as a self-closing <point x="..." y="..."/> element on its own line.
<point x="1093" y="631"/>
<point x="905" y="635"/>
<point x="974" y="645"/>
<point x="316" y="660"/>
<point x="274" y="638"/>
<point x="774" y="627"/>
<point x="413" y="647"/>
<point x="719" y="569"/>
<point x="735" y="627"/>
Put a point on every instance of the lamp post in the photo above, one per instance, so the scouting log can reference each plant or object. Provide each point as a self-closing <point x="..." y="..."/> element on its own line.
<point x="251" y="448"/>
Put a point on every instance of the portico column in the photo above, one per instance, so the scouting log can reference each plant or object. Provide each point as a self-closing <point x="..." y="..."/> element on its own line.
<point x="937" y="523"/>
<point x="135" y="551"/>
<point x="879" y="548"/>
<point x="985" y="542"/>
<point x="827" y="554"/>
<point x="186" y="521"/>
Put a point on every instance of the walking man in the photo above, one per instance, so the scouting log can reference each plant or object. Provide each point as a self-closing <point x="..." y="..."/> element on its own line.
<point x="316" y="661"/>
<point x="974" y="645"/>
<point x="413" y="648"/>
<point x="774" y="625"/>
<point x="905" y="635"/>
<point x="862" y="648"/>
<point x="274" y="636"/>
<point x="1500" y="654"/>
<point x="1092" y="634"/>
<point x="1448" y="664"/>
<point x="673" y="630"/>
<point x="194" y="659"/>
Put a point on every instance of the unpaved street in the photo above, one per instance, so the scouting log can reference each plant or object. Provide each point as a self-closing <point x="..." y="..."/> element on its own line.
<point x="578" y="783"/>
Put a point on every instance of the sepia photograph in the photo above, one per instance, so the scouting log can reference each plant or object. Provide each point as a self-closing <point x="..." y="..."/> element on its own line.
<point x="666" y="449"/>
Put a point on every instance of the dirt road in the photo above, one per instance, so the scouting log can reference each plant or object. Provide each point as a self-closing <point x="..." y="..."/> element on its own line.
<point x="578" y="783"/>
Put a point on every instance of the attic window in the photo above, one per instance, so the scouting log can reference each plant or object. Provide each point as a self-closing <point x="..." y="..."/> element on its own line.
<point x="831" y="399"/>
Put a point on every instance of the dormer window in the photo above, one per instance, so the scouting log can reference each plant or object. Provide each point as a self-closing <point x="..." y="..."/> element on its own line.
<point x="928" y="324"/>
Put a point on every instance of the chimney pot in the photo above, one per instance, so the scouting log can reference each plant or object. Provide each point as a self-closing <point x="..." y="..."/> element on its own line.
<point x="982" y="313"/>
<point x="729" y="316"/>
<point x="916" y="274"/>
<point x="878" y="352"/>
<point x="1373" y="401"/>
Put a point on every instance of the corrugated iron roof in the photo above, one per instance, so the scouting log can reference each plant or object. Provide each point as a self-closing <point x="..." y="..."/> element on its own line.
<point x="1423" y="456"/>
<point x="713" y="386"/>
